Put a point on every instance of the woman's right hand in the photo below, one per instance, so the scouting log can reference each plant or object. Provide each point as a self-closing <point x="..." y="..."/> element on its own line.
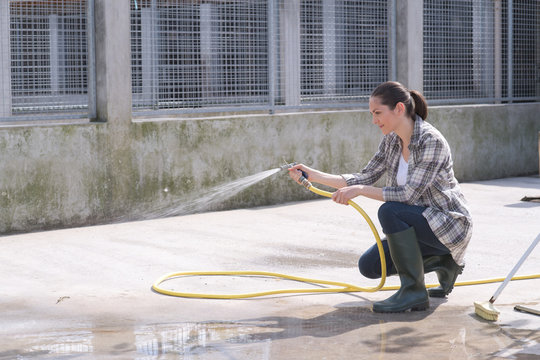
<point x="295" y="172"/>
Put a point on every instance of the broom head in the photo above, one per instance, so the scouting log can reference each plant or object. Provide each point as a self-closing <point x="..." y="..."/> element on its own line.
<point x="486" y="310"/>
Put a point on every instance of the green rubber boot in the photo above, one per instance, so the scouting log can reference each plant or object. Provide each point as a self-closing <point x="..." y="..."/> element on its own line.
<point x="408" y="261"/>
<point x="447" y="272"/>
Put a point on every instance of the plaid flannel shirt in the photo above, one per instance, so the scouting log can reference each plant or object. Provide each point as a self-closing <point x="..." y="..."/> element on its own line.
<point x="430" y="183"/>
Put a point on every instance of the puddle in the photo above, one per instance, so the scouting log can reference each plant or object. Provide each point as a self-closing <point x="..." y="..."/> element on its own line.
<point x="347" y="331"/>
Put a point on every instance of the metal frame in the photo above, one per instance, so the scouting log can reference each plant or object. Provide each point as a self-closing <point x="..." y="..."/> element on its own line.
<point x="271" y="30"/>
<point x="57" y="109"/>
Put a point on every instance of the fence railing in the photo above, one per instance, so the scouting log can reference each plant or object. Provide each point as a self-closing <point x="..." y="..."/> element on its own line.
<point x="264" y="55"/>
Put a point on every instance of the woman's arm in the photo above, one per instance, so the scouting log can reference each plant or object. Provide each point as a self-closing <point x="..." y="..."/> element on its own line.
<point x="316" y="176"/>
<point x="343" y="193"/>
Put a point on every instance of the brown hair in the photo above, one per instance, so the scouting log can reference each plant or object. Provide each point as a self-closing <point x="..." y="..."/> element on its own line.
<point x="392" y="92"/>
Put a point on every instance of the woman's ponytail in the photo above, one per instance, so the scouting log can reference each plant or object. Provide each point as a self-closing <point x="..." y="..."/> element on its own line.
<point x="420" y="104"/>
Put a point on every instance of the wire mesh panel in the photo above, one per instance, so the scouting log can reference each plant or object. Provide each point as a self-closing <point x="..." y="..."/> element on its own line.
<point x="459" y="49"/>
<point x="210" y="55"/>
<point x="525" y="50"/>
<point x="270" y="54"/>
<point x="344" y="49"/>
<point x="467" y="45"/>
<point x="261" y="54"/>
<point x="48" y="57"/>
<point x="193" y="54"/>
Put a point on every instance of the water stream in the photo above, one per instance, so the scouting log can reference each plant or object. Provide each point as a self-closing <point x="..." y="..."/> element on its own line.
<point x="210" y="198"/>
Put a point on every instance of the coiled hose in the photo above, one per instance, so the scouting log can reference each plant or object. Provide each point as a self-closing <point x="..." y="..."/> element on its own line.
<point x="336" y="287"/>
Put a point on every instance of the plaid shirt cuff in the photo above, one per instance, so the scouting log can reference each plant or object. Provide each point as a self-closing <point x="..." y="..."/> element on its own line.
<point x="350" y="179"/>
<point x="394" y="193"/>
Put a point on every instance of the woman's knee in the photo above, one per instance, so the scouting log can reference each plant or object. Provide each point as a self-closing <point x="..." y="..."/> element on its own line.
<point x="370" y="265"/>
<point x="390" y="219"/>
<point x="386" y="210"/>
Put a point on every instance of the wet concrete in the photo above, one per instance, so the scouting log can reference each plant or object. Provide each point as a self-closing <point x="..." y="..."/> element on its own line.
<point x="349" y="330"/>
<point x="85" y="293"/>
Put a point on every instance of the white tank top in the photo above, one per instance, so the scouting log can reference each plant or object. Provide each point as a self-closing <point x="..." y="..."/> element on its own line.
<point x="401" y="177"/>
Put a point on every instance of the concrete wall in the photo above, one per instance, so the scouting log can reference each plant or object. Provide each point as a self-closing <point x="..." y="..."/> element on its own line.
<point x="71" y="175"/>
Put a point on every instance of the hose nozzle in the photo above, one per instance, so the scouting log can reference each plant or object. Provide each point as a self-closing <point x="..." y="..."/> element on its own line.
<point x="303" y="179"/>
<point x="287" y="166"/>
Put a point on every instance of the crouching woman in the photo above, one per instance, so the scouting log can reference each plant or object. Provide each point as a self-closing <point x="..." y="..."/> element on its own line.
<point x="424" y="215"/>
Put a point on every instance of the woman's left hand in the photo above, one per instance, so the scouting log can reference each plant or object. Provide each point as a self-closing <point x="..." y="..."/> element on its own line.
<point x="344" y="194"/>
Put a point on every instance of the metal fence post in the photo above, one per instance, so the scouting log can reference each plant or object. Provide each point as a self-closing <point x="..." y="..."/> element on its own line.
<point x="290" y="51"/>
<point x="510" y="42"/>
<point x="113" y="62"/>
<point x="410" y="51"/>
<point x="392" y="41"/>
<point x="329" y="46"/>
<point x="91" y="61"/>
<point x="498" y="50"/>
<point x="272" y="43"/>
<point x="5" y="63"/>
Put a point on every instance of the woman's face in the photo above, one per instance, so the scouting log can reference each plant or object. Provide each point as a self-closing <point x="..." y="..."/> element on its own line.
<point x="385" y="118"/>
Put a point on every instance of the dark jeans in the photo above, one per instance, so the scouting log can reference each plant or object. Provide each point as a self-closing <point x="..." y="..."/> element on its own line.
<point x="395" y="217"/>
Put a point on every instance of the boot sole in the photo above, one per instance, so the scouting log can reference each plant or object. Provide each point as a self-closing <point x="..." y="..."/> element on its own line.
<point x="418" y="307"/>
<point x="440" y="293"/>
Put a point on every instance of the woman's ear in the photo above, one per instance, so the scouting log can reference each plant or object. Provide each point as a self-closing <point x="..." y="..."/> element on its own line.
<point x="400" y="108"/>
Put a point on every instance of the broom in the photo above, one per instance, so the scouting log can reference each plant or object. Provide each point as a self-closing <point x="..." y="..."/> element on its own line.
<point x="486" y="310"/>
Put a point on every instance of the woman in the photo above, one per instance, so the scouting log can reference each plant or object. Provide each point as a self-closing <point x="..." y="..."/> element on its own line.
<point x="424" y="215"/>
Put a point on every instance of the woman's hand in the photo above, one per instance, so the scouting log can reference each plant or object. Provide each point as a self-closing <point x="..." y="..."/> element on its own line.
<point x="344" y="194"/>
<point x="295" y="172"/>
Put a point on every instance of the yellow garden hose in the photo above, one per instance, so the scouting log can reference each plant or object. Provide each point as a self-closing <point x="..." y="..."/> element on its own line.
<point x="338" y="287"/>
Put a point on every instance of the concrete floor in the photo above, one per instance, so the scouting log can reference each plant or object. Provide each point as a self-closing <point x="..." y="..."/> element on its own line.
<point x="85" y="293"/>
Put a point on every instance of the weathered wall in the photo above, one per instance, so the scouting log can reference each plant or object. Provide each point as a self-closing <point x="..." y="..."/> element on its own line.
<point x="72" y="175"/>
<point x="491" y="141"/>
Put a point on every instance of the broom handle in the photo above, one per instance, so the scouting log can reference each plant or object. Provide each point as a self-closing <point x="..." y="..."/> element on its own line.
<point x="515" y="269"/>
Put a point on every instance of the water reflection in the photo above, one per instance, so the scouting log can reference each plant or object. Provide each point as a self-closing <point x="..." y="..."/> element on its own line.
<point x="50" y="345"/>
<point x="198" y="341"/>
<point x="148" y="342"/>
<point x="343" y="332"/>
